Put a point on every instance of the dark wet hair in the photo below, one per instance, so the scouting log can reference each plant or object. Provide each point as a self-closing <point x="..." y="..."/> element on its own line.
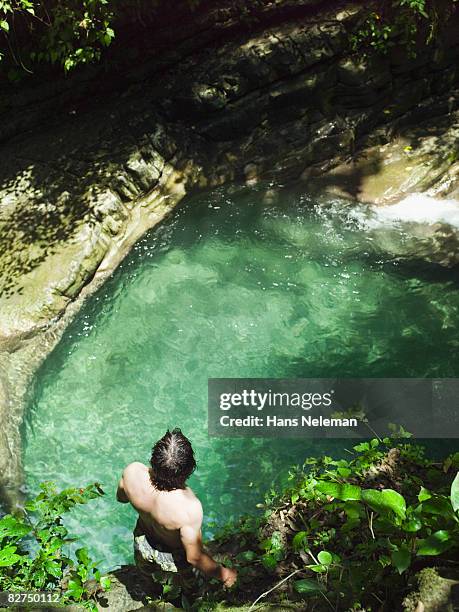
<point x="172" y="461"/>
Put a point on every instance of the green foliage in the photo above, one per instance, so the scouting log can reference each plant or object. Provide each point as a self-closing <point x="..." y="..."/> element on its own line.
<point x="345" y="492"/>
<point x="373" y="33"/>
<point x="75" y="32"/>
<point x="67" y="33"/>
<point x="274" y="550"/>
<point x="32" y="548"/>
<point x="410" y="23"/>
<point x="360" y="524"/>
<point x="386" y="502"/>
<point x="455" y="493"/>
<point x="376" y="533"/>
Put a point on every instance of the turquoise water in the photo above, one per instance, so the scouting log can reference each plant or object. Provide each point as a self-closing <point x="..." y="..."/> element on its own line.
<point x="238" y="283"/>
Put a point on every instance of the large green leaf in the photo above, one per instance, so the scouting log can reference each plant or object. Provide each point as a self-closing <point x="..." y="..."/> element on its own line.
<point x="413" y="525"/>
<point x="318" y="569"/>
<point x="324" y="557"/>
<point x="299" y="540"/>
<point x="269" y="561"/>
<point x="384" y="501"/>
<point x="395" y="502"/>
<point x="74" y="589"/>
<point x="53" y="568"/>
<point x="401" y="559"/>
<point x="82" y="555"/>
<point x="8" y="556"/>
<point x="11" y="527"/>
<point x="455" y="493"/>
<point x="344" y="492"/>
<point x="437" y="505"/>
<point x="424" y="494"/>
<point x="435" y="544"/>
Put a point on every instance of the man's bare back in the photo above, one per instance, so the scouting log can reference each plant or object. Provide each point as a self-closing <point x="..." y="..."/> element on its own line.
<point x="172" y="517"/>
<point x="163" y="513"/>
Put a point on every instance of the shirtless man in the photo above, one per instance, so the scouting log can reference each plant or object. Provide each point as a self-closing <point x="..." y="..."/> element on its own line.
<point x="167" y="536"/>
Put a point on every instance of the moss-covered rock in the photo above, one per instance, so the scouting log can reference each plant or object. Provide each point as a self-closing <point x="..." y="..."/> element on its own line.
<point x="434" y="593"/>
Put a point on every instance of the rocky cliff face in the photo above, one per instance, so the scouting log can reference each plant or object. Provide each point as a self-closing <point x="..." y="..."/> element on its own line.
<point x="90" y="163"/>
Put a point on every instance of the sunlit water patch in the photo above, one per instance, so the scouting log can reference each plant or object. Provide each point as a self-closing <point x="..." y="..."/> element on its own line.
<point x="234" y="285"/>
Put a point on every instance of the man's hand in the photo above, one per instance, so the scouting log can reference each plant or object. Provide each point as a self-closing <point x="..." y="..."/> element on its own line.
<point x="228" y="576"/>
<point x="191" y="538"/>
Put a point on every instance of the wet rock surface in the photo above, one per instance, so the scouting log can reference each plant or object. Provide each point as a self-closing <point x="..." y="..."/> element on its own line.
<point x="283" y="98"/>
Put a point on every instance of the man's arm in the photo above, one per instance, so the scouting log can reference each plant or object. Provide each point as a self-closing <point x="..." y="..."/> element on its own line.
<point x="121" y="493"/>
<point x="197" y="557"/>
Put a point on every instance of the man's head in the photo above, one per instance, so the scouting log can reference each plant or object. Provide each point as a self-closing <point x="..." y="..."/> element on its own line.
<point x="172" y="461"/>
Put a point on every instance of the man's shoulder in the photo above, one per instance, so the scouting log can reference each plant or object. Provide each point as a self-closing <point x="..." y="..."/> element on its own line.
<point x="134" y="468"/>
<point x="193" y="505"/>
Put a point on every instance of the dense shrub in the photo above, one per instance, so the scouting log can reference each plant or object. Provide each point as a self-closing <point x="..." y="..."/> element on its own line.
<point x="409" y="23"/>
<point x="351" y="533"/>
<point x="70" y="33"/>
<point x="34" y="549"/>
<point x="345" y="533"/>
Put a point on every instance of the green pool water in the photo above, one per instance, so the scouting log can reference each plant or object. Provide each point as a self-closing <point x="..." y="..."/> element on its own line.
<point x="238" y="283"/>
